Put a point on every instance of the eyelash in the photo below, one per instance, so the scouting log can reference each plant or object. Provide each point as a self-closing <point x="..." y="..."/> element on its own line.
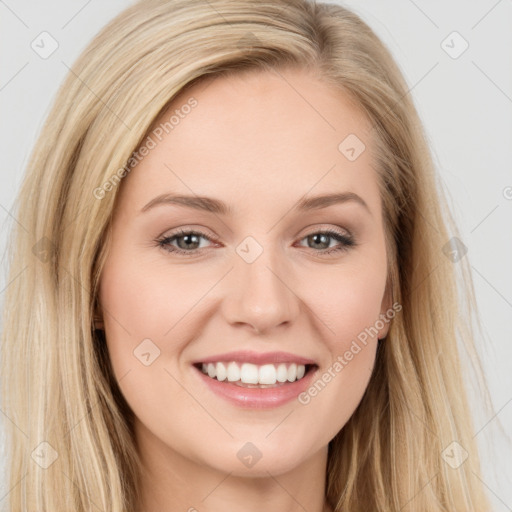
<point x="346" y="241"/>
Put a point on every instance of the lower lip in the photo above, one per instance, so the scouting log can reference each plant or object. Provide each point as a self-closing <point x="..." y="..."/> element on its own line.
<point x="258" y="398"/>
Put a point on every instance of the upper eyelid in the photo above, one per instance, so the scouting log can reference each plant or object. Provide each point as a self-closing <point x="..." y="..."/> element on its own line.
<point x="313" y="228"/>
<point x="207" y="232"/>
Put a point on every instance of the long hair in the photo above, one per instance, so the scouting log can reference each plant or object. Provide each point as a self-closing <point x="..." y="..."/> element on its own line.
<point x="70" y="435"/>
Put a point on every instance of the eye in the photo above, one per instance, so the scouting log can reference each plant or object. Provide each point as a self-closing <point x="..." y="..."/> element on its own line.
<point x="321" y="238"/>
<point x="188" y="242"/>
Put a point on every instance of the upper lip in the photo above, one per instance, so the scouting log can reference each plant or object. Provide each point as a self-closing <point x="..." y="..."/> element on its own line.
<point x="244" y="356"/>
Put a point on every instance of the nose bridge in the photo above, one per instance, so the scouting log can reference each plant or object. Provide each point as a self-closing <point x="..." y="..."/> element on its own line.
<point x="260" y="294"/>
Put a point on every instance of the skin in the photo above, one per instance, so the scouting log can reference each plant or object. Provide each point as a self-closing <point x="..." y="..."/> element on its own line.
<point x="259" y="142"/>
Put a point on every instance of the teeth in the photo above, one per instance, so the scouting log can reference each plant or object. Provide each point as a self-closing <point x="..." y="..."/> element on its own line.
<point x="282" y="373"/>
<point x="233" y="372"/>
<point x="267" y="374"/>
<point x="292" y="372"/>
<point x="221" y="371"/>
<point x="248" y="373"/>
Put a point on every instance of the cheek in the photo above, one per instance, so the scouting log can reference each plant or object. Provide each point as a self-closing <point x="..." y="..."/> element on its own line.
<point x="355" y="308"/>
<point x="135" y="309"/>
<point x="147" y="300"/>
<point x="349" y="313"/>
<point x="347" y="299"/>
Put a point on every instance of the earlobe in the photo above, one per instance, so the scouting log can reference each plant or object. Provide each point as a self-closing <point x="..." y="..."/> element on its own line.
<point x="98" y="324"/>
<point x="98" y="319"/>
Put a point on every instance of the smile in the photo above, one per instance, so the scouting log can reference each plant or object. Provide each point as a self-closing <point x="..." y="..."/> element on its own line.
<point x="252" y="386"/>
<point x="253" y="375"/>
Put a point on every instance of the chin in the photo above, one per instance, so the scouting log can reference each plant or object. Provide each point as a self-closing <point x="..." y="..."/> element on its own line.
<point x="258" y="459"/>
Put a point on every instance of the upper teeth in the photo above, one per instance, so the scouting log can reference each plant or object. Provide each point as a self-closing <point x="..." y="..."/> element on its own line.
<point x="254" y="374"/>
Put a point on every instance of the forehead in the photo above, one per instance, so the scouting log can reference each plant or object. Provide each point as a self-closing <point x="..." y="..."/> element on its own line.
<point x="259" y="134"/>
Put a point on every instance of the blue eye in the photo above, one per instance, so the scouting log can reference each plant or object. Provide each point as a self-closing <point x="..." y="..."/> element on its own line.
<point x="189" y="242"/>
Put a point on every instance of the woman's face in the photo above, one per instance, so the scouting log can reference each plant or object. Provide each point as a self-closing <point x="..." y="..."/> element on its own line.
<point x="258" y="286"/>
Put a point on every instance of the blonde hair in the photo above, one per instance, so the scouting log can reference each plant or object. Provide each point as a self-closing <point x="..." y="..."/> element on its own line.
<point x="57" y="382"/>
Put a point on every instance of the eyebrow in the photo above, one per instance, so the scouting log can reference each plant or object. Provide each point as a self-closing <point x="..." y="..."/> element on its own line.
<point x="212" y="205"/>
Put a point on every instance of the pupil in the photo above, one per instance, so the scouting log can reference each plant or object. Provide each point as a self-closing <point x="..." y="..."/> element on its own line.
<point x="317" y="238"/>
<point x="187" y="239"/>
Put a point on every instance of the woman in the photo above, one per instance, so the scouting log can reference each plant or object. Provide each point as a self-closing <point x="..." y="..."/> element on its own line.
<point x="246" y="366"/>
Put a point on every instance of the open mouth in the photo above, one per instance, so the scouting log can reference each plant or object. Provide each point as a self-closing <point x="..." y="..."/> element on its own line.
<point x="250" y="375"/>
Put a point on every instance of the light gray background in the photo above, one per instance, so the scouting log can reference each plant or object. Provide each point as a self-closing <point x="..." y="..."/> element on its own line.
<point x="465" y="104"/>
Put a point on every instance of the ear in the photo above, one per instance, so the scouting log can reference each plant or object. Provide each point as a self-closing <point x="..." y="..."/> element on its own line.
<point x="387" y="302"/>
<point x="98" y="318"/>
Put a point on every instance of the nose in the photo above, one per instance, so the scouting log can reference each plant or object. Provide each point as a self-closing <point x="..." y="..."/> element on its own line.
<point x="260" y="295"/>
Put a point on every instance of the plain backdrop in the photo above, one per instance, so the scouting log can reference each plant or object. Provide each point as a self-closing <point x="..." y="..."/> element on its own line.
<point x="457" y="59"/>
